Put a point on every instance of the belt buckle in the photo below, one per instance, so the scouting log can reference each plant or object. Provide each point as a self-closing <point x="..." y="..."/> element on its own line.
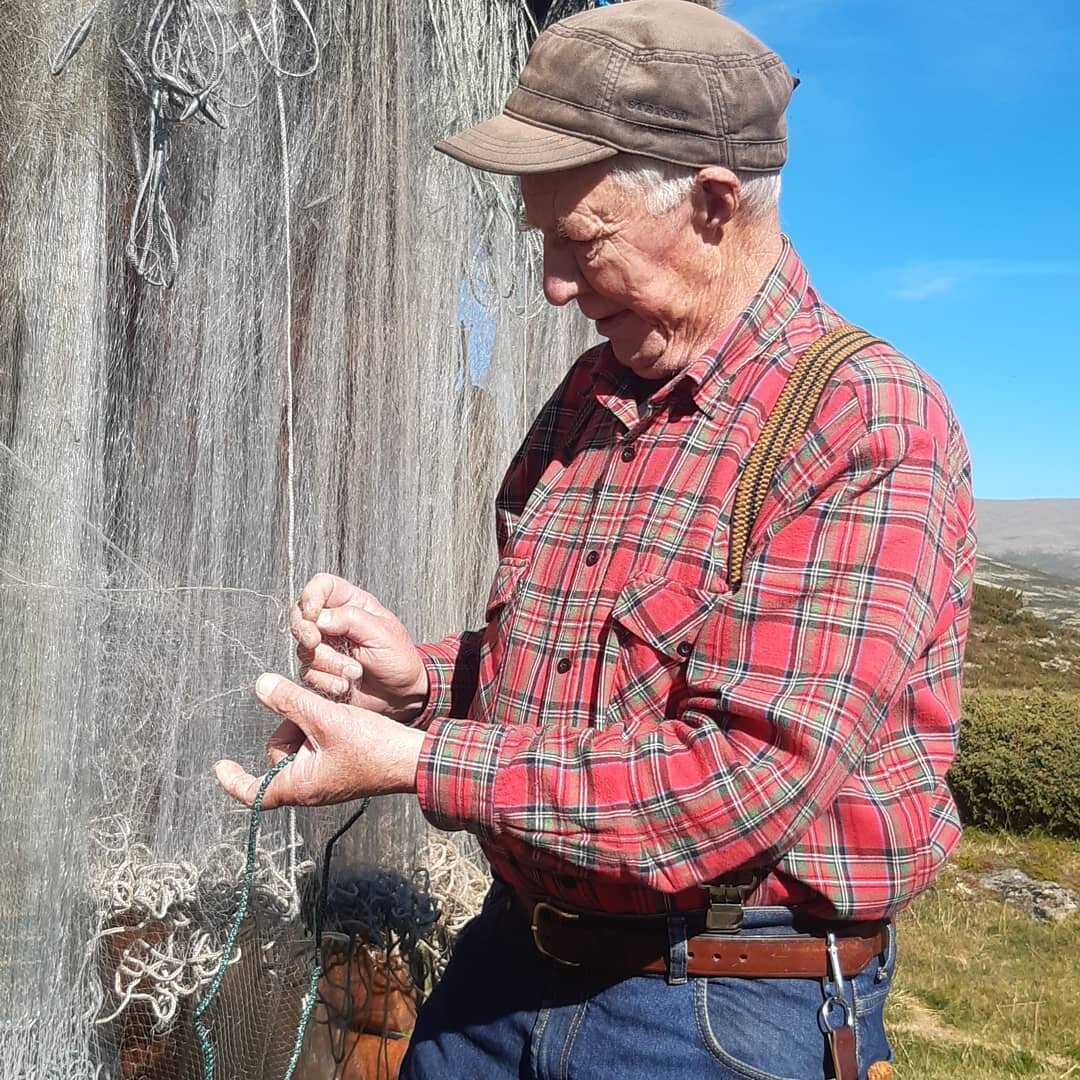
<point x="725" y="912"/>
<point x="539" y="908"/>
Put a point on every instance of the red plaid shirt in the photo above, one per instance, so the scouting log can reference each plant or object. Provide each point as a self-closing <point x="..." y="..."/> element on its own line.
<point x="624" y="728"/>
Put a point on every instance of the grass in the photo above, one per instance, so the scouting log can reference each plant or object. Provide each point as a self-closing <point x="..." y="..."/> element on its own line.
<point x="982" y="990"/>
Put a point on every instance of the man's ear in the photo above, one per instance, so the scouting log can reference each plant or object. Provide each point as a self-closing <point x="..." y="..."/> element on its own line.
<point x="717" y="197"/>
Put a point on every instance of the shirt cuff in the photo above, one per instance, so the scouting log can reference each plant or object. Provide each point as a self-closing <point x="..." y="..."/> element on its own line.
<point x="455" y="776"/>
<point x="439" y="661"/>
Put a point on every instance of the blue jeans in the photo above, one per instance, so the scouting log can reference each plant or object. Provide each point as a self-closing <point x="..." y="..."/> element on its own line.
<point x="503" y="1012"/>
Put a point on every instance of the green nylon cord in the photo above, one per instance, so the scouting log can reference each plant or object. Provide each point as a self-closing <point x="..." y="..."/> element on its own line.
<point x="206" y="1042"/>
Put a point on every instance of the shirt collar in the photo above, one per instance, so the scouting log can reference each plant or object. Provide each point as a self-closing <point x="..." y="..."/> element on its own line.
<point x="707" y="379"/>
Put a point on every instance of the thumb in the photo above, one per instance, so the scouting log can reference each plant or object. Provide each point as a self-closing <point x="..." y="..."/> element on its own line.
<point x="363" y="621"/>
<point x="307" y="711"/>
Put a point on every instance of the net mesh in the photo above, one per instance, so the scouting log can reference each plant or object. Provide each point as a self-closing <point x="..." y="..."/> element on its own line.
<point x="349" y="350"/>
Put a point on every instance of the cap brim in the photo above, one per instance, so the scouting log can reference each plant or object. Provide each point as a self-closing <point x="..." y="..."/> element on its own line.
<point x="505" y="145"/>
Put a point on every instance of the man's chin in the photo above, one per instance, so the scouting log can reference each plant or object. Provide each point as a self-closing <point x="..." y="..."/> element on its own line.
<point x="645" y="363"/>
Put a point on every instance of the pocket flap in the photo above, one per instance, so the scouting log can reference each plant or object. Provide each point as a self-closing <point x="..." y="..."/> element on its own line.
<point x="667" y="616"/>
<point x="507" y="577"/>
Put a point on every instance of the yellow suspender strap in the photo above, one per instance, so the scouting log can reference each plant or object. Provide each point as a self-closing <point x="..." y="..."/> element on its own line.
<point x="786" y="426"/>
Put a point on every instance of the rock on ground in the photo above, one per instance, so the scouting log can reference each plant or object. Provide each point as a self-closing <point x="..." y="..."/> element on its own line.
<point x="1040" y="899"/>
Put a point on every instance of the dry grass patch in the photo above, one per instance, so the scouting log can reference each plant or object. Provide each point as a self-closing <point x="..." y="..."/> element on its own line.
<point x="982" y="990"/>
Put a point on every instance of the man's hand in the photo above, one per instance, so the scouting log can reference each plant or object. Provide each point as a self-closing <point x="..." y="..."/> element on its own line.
<point x="352" y="649"/>
<point x="342" y="752"/>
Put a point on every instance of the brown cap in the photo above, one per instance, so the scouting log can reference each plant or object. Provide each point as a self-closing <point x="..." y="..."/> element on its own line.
<point x="665" y="78"/>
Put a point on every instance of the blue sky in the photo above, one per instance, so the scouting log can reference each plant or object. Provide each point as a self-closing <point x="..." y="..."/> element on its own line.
<point x="932" y="189"/>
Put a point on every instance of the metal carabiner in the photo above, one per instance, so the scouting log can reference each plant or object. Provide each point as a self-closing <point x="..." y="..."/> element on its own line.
<point x="833" y="986"/>
<point x="826" y="1014"/>
<point x="834" y="965"/>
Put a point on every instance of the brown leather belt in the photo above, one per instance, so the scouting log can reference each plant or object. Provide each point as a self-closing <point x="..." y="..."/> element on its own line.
<point x="625" y="945"/>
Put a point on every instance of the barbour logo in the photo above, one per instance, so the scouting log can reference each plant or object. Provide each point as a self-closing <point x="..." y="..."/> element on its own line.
<point x="656" y="110"/>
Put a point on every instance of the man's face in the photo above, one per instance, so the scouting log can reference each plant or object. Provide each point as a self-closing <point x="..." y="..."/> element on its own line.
<point x="637" y="275"/>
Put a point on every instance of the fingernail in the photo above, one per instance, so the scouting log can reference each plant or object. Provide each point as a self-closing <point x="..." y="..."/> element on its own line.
<point x="323" y="620"/>
<point x="267" y="684"/>
<point x="353" y="671"/>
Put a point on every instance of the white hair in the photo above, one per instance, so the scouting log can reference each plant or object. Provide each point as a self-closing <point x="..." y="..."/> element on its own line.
<point x="665" y="185"/>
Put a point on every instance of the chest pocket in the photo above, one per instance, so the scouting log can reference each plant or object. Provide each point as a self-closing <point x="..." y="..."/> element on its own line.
<point x="498" y="613"/>
<point x="656" y="626"/>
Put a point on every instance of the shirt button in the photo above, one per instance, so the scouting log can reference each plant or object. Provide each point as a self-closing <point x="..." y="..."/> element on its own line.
<point x="563" y="666"/>
<point x="684" y="649"/>
<point x="592" y="558"/>
<point x="628" y="453"/>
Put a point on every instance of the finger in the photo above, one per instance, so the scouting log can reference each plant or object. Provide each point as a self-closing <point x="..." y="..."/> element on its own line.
<point x="335" y="662"/>
<point x="328" y="685"/>
<point x="304" y="630"/>
<point x="358" y="624"/>
<point x="325" y="590"/>
<point x="238" y="782"/>
<point x="285" y="741"/>
<point x="310" y="712"/>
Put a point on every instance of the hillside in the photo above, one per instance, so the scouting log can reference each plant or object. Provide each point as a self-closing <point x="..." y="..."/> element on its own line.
<point x="1040" y="533"/>
<point x="1010" y="647"/>
<point x="1055" y="599"/>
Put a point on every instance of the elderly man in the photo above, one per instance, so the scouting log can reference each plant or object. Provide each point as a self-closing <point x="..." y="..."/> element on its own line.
<point x="703" y="735"/>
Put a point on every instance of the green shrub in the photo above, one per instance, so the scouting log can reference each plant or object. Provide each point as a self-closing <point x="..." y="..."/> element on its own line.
<point x="990" y="604"/>
<point x="1018" y="762"/>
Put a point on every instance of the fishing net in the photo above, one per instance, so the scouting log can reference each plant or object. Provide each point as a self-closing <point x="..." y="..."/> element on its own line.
<point x="251" y="328"/>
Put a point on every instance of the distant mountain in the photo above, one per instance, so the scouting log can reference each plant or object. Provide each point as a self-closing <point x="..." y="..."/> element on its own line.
<point x="1039" y="533"/>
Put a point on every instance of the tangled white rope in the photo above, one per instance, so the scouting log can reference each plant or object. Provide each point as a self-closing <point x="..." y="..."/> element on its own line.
<point x="459" y="882"/>
<point x="162" y="974"/>
<point x="152" y="913"/>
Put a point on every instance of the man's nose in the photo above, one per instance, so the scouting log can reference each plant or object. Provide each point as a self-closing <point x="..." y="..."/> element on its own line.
<point x="562" y="275"/>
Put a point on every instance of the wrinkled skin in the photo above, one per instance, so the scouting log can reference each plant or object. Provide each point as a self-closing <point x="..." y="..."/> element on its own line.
<point x="660" y="287"/>
<point x="353" y="748"/>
